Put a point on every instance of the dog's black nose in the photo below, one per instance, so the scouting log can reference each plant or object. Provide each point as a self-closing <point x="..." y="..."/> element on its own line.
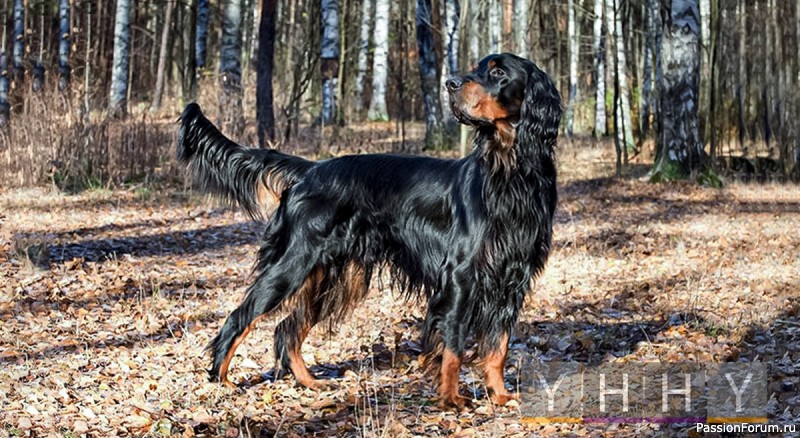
<point x="454" y="83"/>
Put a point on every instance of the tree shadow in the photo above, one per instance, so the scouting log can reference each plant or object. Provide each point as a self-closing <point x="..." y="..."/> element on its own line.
<point x="156" y="244"/>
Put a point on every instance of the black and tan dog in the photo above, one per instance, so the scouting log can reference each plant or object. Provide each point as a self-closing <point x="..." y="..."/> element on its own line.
<point x="468" y="235"/>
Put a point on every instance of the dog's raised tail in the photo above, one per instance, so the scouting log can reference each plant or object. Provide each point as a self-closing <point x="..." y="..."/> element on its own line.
<point x="233" y="172"/>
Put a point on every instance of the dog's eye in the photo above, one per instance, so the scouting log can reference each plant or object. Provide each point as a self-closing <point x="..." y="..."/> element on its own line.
<point x="497" y="73"/>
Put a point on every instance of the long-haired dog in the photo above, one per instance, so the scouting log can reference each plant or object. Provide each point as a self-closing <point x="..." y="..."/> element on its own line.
<point x="468" y="234"/>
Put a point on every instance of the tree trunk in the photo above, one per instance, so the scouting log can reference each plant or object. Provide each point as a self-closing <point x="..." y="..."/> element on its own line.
<point x="189" y="61"/>
<point x="64" y="69"/>
<point x="623" y="125"/>
<point x="18" y="70"/>
<point x="5" y="108"/>
<point x="474" y="32"/>
<point x="495" y="32"/>
<point x="363" y="49"/>
<point x="741" y="77"/>
<point x="162" y="55"/>
<point x="330" y="59"/>
<point x="266" y="59"/>
<point x="572" y="33"/>
<point x="380" y="64"/>
<point x="507" y="38"/>
<point x="647" y="83"/>
<point x="119" y="70"/>
<point x="682" y="153"/>
<point x="201" y="37"/>
<point x="230" y="69"/>
<point x="521" y="28"/>
<point x="449" y="67"/>
<point x="434" y="138"/>
<point x="600" y="118"/>
<point x="38" y="71"/>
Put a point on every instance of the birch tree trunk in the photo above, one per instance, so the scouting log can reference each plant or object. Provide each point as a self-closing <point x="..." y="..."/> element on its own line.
<point x="495" y="32"/>
<point x="682" y="153"/>
<point x="5" y="108"/>
<point x="201" y="37"/>
<point x="434" y="138"/>
<point x="449" y="67"/>
<point x="741" y="77"/>
<point x="380" y="64"/>
<point x="647" y="82"/>
<point x="600" y="118"/>
<point x="572" y="33"/>
<point x="330" y="59"/>
<point x="230" y="69"/>
<point x="119" y="70"/>
<point x="363" y="49"/>
<point x="64" y="69"/>
<point x="18" y="70"/>
<point x="188" y="36"/>
<point x="622" y="103"/>
<point x="162" y="55"/>
<point x="521" y="28"/>
<point x="474" y="32"/>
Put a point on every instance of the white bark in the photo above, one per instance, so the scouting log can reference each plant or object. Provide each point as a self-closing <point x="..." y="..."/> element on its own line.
<point x="119" y="69"/>
<point x="614" y="22"/>
<point x="572" y="32"/>
<point x="474" y="31"/>
<point x="449" y="66"/>
<point x="495" y="31"/>
<point x="380" y="65"/>
<point x="521" y="27"/>
<point x="599" y="71"/>
<point x="363" y="49"/>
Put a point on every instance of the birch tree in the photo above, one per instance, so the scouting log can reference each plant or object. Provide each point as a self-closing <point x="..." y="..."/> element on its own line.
<point x="363" y="49"/>
<point x="572" y="33"/>
<point x="380" y="62"/>
<point x="230" y="68"/>
<point x="119" y="70"/>
<point x="5" y="108"/>
<point x="681" y="153"/>
<point x="495" y="32"/>
<point x="521" y="28"/>
<point x="201" y="36"/>
<point x="187" y="32"/>
<point x="473" y="36"/>
<point x="622" y="107"/>
<point x="266" y="58"/>
<point x="434" y="138"/>
<point x="330" y="59"/>
<point x="64" y="69"/>
<point x="18" y="71"/>
<point x="449" y="67"/>
<point x="647" y="80"/>
<point x="599" y="48"/>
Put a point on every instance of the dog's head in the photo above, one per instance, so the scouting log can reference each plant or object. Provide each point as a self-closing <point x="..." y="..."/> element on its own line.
<point x="510" y="95"/>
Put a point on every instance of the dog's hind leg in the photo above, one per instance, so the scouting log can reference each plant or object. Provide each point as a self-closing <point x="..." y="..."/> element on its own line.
<point x="277" y="282"/>
<point x="292" y="331"/>
<point x="493" y="365"/>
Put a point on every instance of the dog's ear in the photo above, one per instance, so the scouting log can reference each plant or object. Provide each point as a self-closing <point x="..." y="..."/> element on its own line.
<point x="540" y="115"/>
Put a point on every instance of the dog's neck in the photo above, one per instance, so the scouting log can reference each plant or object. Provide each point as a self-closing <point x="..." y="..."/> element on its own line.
<point x="502" y="149"/>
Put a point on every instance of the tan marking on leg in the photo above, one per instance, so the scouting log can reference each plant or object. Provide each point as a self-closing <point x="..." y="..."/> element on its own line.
<point x="448" y="382"/>
<point x="493" y="366"/>
<point x="223" y="369"/>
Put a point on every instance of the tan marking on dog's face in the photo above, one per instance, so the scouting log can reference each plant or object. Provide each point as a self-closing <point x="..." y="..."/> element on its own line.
<point x="477" y="104"/>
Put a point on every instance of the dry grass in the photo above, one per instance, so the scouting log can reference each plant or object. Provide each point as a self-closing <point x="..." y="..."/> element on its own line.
<point x="106" y="334"/>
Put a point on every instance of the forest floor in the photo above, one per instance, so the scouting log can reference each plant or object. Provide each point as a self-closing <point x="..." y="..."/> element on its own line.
<point x="108" y="298"/>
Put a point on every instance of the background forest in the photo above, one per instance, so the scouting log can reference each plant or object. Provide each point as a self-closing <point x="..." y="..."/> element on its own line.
<point x="88" y="89"/>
